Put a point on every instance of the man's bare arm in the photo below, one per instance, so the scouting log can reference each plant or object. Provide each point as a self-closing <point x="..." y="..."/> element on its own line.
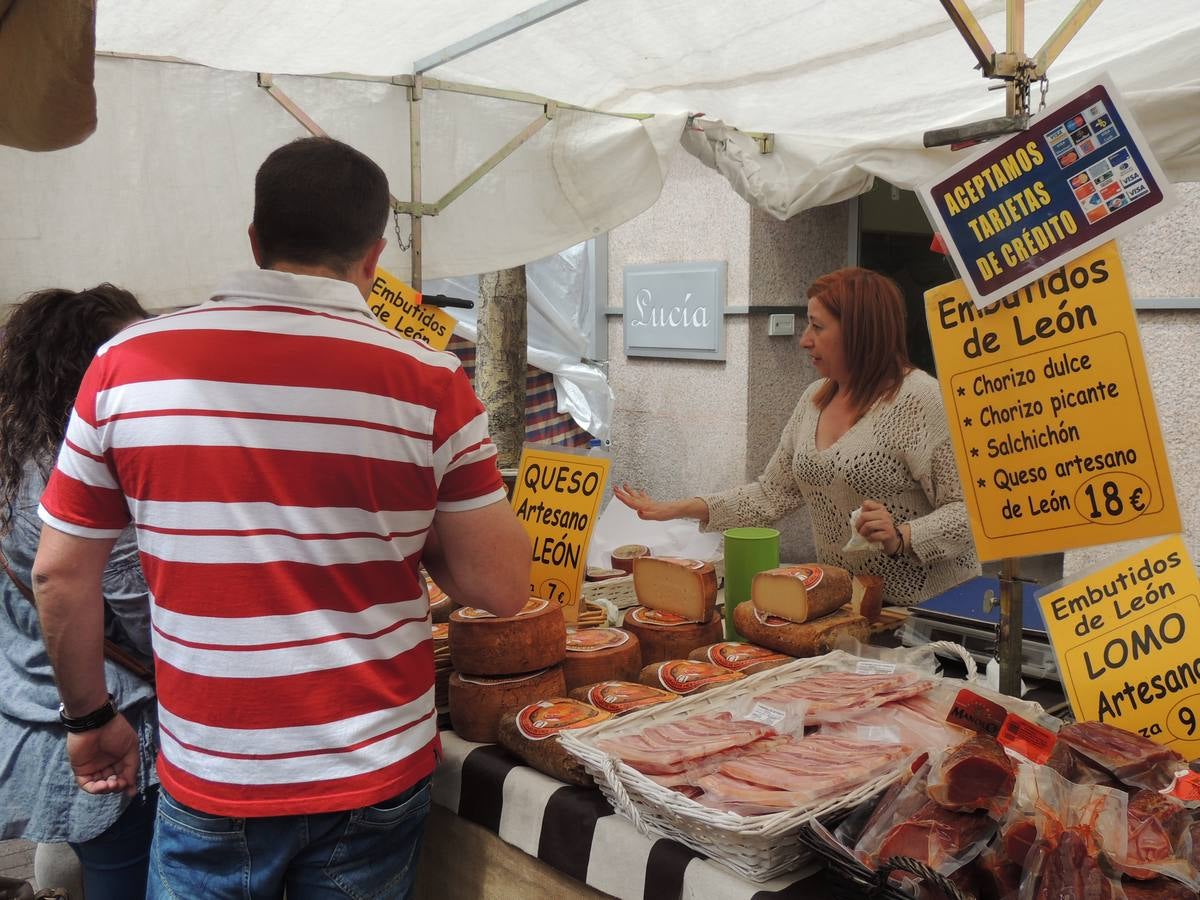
<point x="67" y="578"/>
<point x="481" y="557"/>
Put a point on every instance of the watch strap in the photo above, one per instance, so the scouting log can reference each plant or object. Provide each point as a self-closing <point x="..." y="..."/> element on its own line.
<point x="97" y="718"/>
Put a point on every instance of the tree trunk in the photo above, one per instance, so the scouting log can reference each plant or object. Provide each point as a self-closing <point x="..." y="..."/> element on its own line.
<point x="501" y="359"/>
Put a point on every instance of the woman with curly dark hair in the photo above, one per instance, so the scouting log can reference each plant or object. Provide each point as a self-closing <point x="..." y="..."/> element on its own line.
<point x="48" y="342"/>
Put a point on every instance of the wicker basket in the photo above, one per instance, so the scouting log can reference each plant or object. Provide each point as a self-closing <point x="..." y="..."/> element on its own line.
<point x="755" y="847"/>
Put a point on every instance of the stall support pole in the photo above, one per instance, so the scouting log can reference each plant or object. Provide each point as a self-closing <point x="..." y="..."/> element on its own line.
<point x="414" y="156"/>
<point x="1011" y="627"/>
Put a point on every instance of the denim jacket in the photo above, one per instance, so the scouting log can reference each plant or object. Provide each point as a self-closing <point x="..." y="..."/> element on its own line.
<point x="39" y="799"/>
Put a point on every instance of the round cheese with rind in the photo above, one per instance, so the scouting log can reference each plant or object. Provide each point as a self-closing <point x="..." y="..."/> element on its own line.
<point x="798" y="639"/>
<point x="687" y="676"/>
<point x="800" y="593"/>
<point x="478" y="703"/>
<point x="621" y="697"/>
<point x="531" y="734"/>
<point x="601" y="654"/>
<point x="739" y="657"/>
<point x="665" y="636"/>
<point x="483" y="644"/>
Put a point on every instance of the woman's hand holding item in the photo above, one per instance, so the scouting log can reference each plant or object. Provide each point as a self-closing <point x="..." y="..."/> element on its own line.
<point x="875" y="523"/>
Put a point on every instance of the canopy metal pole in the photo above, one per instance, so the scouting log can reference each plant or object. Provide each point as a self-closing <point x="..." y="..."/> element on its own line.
<point x="414" y="156"/>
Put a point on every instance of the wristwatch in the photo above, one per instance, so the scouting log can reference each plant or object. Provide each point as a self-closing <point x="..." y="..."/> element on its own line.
<point x="95" y="719"/>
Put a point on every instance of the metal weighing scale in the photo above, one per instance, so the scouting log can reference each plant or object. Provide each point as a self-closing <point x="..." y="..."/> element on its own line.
<point x="958" y="615"/>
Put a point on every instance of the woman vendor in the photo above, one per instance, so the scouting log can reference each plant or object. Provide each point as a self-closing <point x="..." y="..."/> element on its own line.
<point x="868" y="438"/>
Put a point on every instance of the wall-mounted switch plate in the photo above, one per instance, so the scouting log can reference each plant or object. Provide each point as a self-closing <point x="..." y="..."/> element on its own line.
<point x="781" y="324"/>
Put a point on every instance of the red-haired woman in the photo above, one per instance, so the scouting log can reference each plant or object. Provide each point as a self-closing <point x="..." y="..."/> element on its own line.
<point x="870" y="434"/>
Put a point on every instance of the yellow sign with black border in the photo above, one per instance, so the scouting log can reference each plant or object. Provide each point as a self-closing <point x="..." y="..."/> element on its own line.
<point x="1051" y="412"/>
<point x="398" y="306"/>
<point x="1127" y="641"/>
<point x="557" y="496"/>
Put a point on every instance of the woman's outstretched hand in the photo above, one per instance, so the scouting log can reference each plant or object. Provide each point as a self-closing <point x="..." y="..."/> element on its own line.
<point x="660" y="510"/>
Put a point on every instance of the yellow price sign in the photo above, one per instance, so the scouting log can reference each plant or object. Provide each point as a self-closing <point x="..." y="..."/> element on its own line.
<point x="1127" y="640"/>
<point x="1051" y="412"/>
<point x="398" y="306"/>
<point x="556" y="497"/>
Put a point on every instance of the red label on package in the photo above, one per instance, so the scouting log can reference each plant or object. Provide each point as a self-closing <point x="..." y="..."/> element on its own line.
<point x="683" y="676"/>
<point x="735" y="656"/>
<point x="977" y="713"/>
<point x="645" y="616"/>
<point x="1033" y="742"/>
<point x="623" y="696"/>
<point x="810" y="576"/>
<point x="1186" y="787"/>
<point x="592" y="639"/>
<point x="546" y="718"/>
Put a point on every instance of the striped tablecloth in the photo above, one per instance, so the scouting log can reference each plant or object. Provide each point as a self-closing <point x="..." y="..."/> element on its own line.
<point x="574" y="830"/>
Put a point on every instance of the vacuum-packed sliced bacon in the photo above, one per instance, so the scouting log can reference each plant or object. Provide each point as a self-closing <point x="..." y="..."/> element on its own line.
<point x="848" y="692"/>
<point x="668" y="748"/>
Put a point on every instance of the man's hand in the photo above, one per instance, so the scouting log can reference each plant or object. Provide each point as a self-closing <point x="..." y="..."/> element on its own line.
<point x="105" y="760"/>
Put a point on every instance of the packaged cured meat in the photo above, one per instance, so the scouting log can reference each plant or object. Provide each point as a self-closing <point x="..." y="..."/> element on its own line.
<point x="832" y="696"/>
<point x="1133" y="760"/>
<point x="975" y="775"/>
<point x="916" y="827"/>
<point x="621" y="697"/>
<point x="1068" y="865"/>
<point x="1157" y="889"/>
<point x="1159" y="839"/>
<point x="531" y="734"/>
<point x="668" y="748"/>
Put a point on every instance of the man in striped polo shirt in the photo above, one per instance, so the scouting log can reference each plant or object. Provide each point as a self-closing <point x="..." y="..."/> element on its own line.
<point x="288" y="462"/>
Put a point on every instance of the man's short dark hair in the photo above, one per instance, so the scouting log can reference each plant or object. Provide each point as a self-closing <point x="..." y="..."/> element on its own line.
<point x="318" y="202"/>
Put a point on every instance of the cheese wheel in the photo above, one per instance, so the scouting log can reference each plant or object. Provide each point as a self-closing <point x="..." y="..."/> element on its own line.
<point x="441" y="636"/>
<point x="621" y="697"/>
<point x="477" y="704"/>
<point x="531" y="735"/>
<point x="686" y="587"/>
<point x="798" y="639"/>
<point x="595" y="573"/>
<point x="601" y="654"/>
<point x="622" y="557"/>
<point x="866" y="596"/>
<point x="800" y="593"/>
<point x="687" y="676"/>
<point x="483" y="644"/>
<point x="667" y="636"/>
<point x="738" y="657"/>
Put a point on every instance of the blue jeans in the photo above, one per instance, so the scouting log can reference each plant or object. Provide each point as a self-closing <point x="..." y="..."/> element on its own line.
<point x="114" y="862"/>
<point x="365" y="854"/>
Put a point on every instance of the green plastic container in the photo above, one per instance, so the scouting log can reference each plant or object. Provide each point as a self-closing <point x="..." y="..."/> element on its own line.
<point x="748" y="551"/>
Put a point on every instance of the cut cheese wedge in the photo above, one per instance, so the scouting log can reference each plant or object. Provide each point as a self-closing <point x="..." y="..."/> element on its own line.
<point x="685" y="587"/>
<point x="866" y="596"/>
<point x="800" y="593"/>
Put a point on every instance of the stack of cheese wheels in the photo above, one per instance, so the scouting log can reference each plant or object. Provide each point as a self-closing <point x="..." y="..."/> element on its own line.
<point x="678" y="607"/>
<point x="442" y="667"/>
<point x="621" y="697"/>
<point x="502" y="664"/>
<point x="440" y="604"/>
<point x="601" y="654"/>
<point x="531" y="734"/>
<point x="803" y="610"/>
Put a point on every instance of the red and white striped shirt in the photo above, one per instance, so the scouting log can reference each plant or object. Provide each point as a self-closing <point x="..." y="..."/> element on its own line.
<point x="282" y="456"/>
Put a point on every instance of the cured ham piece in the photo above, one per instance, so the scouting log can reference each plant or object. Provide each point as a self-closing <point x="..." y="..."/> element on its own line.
<point x="977" y="774"/>
<point x="1158" y="832"/>
<point x="934" y="835"/>
<point x="847" y="693"/>
<point x="1158" y="889"/>
<point x="1132" y="759"/>
<point x="1065" y="866"/>
<point x="666" y="749"/>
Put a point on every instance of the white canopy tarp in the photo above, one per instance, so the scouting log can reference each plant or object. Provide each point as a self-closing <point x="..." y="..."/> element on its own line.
<point x="159" y="197"/>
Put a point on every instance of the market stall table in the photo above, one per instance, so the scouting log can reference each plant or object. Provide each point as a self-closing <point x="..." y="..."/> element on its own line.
<point x="570" y="842"/>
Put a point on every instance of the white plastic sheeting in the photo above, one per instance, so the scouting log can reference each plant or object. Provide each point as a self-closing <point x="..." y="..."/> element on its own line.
<point x="561" y="317"/>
